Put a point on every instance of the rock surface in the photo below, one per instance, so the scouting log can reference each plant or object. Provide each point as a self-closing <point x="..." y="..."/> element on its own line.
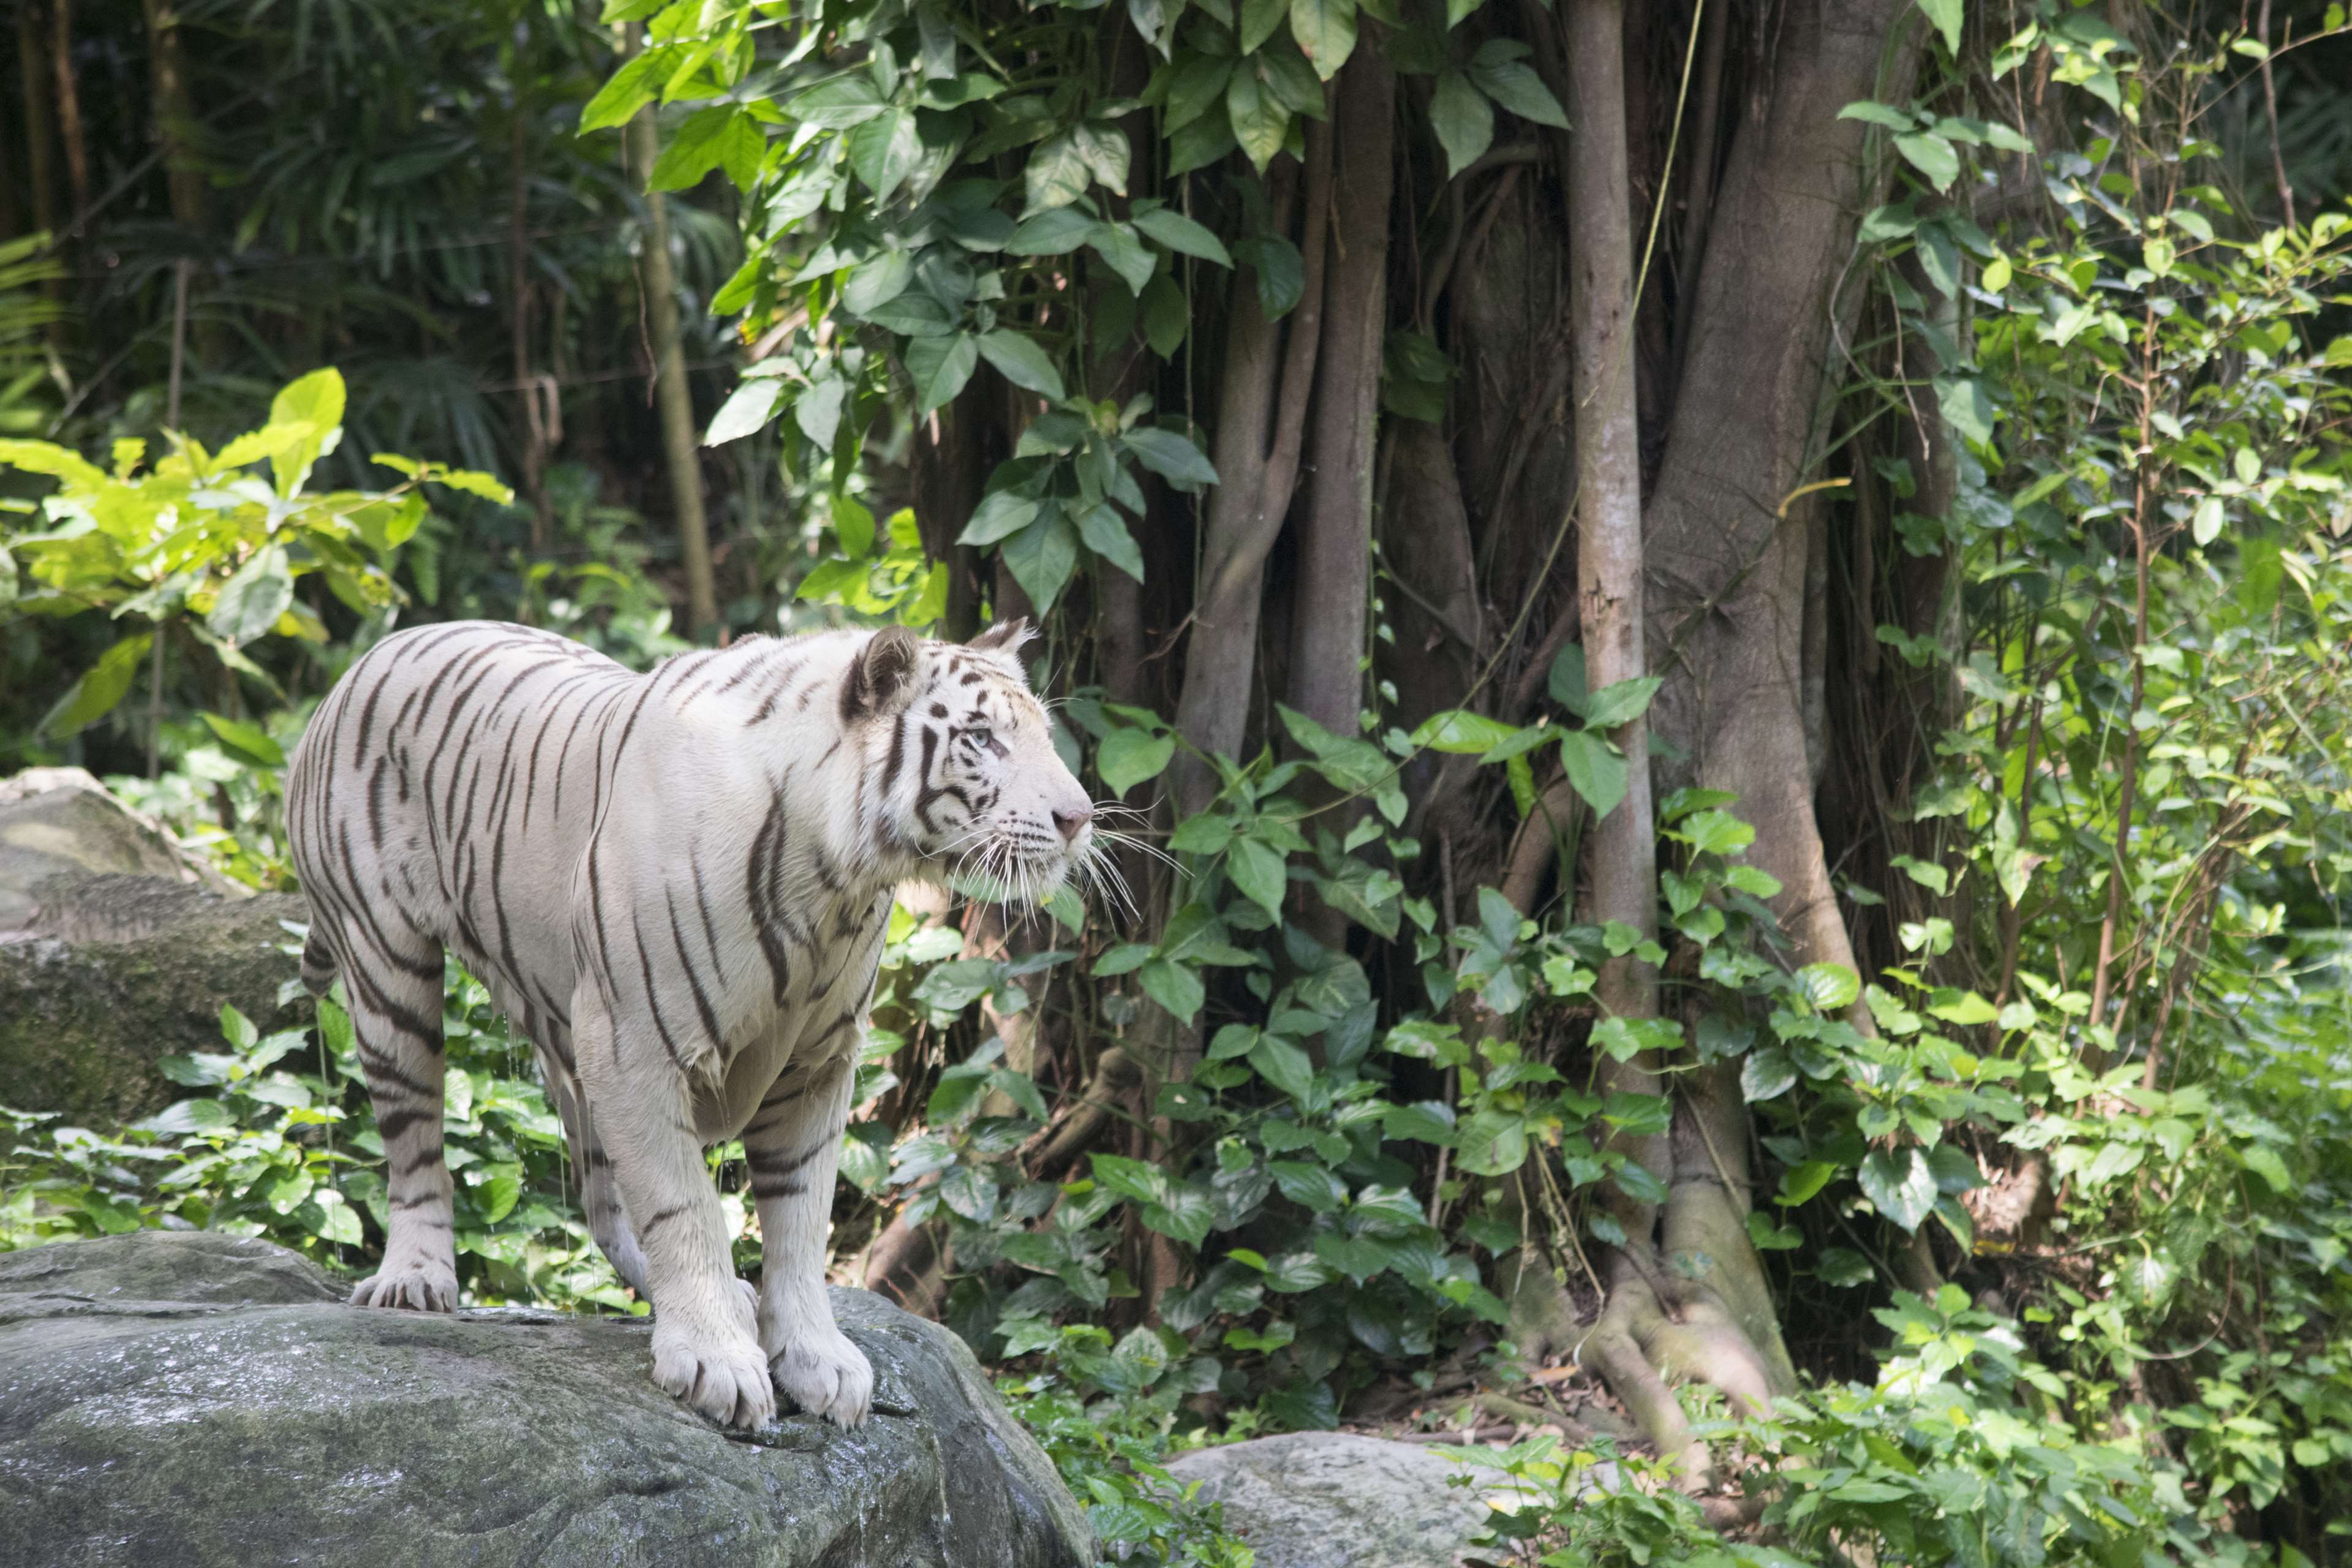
<point x="117" y="948"/>
<point x="194" y="1399"/>
<point x="1335" y="1500"/>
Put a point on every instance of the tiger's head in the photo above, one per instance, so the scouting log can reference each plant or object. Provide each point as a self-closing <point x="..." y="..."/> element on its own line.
<point x="970" y="785"/>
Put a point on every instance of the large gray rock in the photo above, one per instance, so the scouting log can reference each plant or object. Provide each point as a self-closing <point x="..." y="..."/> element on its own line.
<point x="189" y="1398"/>
<point x="117" y="948"/>
<point x="1335" y="1500"/>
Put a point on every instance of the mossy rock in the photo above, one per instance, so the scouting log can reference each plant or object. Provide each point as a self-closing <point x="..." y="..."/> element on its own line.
<point x="117" y="949"/>
<point x="194" y="1399"/>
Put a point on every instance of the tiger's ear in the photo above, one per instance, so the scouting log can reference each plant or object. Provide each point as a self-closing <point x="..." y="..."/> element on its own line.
<point x="1004" y="636"/>
<point x="882" y="676"/>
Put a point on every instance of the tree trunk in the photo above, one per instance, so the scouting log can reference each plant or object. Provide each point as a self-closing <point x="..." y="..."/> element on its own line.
<point x="1334" y="533"/>
<point x="1727" y="594"/>
<point x="69" y="126"/>
<point x="1261" y="413"/>
<point x="675" y="398"/>
<point x="40" y="168"/>
<point x="175" y="118"/>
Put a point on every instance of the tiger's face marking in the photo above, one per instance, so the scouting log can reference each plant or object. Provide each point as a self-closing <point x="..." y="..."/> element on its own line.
<point x="970" y="785"/>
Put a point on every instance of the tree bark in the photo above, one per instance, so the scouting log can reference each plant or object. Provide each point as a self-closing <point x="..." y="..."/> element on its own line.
<point x="69" y="126"/>
<point x="40" y="164"/>
<point x="1261" y="412"/>
<point x="1727" y="585"/>
<point x="1335" y="530"/>
<point x="175" y="118"/>
<point x="675" y="398"/>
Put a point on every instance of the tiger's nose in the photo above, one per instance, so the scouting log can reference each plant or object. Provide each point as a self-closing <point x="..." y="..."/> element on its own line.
<point x="1073" y="820"/>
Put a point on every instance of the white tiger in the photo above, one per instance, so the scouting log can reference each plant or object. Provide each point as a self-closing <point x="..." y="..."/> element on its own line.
<point x="677" y="884"/>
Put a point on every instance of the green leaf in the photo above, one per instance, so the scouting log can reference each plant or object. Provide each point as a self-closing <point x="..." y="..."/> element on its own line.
<point x="1170" y="456"/>
<point x="1766" y="1075"/>
<point x="1020" y="361"/>
<point x="629" y="90"/>
<point x="1000" y="515"/>
<point x="102" y="686"/>
<point x="1127" y="757"/>
<point x="818" y="410"/>
<point x="1198" y="86"/>
<point x="1627" y="700"/>
<point x="841" y="104"/>
<point x="1596" y="770"/>
<point x="748" y="408"/>
<point x="1463" y="119"/>
<point x="1462" y="732"/>
<point x="1055" y="232"/>
<point x="1900" y="1183"/>
<point x="1326" y="31"/>
<point x="1258" y="120"/>
<point x="1800" y="1182"/>
<point x="1967" y="408"/>
<point x="1282" y="1064"/>
<point x="1057" y="174"/>
<point x="251" y="741"/>
<point x="1167" y="316"/>
<point x="1103" y="149"/>
<point x="2264" y="1161"/>
<point x="940" y="367"/>
<point x="1946" y="14"/>
<point x="1256" y="868"/>
<point x="1932" y="155"/>
<point x="250" y="602"/>
<point x="316" y="399"/>
<point x="1179" y="233"/>
<point x="697" y="149"/>
<point x="1106" y="533"/>
<point x="1828" y="987"/>
<point x="1514" y="84"/>
<point x="878" y="280"/>
<point x="1893" y="119"/>
<point x="1174" y="986"/>
<point x="1492" y="1143"/>
<point x="1041" y="558"/>
<point x="1259" y="21"/>
<point x="1126" y="256"/>
<point x="883" y="151"/>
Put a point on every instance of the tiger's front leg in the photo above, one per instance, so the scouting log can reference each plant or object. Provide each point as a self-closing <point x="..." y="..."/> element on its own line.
<point x="794" y="1144"/>
<point x="706" y="1345"/>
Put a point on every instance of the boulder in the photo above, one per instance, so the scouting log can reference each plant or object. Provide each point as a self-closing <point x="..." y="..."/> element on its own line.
<point x="1337" y="1499"/>
<point x="117" y="948"/>
<point x="196" y="1399"/>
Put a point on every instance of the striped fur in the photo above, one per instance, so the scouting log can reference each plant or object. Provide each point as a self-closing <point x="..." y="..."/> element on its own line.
<point x="676" y="884"/>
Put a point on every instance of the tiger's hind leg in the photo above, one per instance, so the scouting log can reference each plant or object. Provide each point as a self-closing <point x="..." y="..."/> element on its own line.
<point x="600" y="1194"/>
<point x="393" y="976"/>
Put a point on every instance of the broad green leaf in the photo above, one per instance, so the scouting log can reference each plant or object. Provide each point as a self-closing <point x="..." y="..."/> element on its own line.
<point x="1260" y="19"/>
<point x="251" y="741"/>
<point x="1020" y="361"/>
<point x="1766" y="1075"/>
<point x="1613" y="705"/>
<point x="838" y="105"/>
<point x="748" y="408"/>
<point x="631" y="88"/>
<point x="1899" y="1182"/>
<point x="1197" y="85"/>
<point x="1461" y="731"/>
<point x="1326" y="31"/>
<point x="1173" y="986"/>
<point x="1463" y="119"/>
<point x="1258" y="120"/>
<point x="1057" y="174"/>
<point x="317" y="400"/>
<point x="1256" y="868"/>
<point x="1596" y="770"/>
<point x="1946" y="14"/>
<point x="1514" y="84"/>
<point x="1041" y="558"/>
<point x="1103" y="149"/>
<point x="1800" y="1182"/>
<point x="1179" y="233"/>
<point x="1282" y="1064"/>
<point x="1106" y="533"/>
<point x="884" y="151"/>
<point x="250" y="602"/>
<point x="102" y="686"/>
<point x="1170" y="456"/>
<point x="1000" y="515"/>
<point x="940" y="367"/>
<point x="1127" y="757"/>
<point x="878" y="280"/>
<point x="1828" y="987"/>
<point x="1932" y="155"/>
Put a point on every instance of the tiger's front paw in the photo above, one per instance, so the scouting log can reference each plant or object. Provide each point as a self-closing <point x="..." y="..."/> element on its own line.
<point x="826" y="1375"/>
<point x="722" y="1375"/>
<point x="419" y="1285"/>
